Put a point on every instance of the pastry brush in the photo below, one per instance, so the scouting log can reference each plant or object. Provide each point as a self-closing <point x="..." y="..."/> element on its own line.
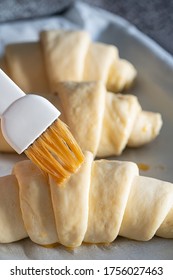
<point x="30" y="124"/>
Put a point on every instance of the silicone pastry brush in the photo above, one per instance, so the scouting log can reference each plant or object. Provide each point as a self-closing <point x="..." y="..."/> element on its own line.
<point x="30" y="124"/>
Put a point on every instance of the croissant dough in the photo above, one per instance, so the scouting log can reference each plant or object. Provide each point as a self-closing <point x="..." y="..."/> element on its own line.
<point x="144" y="214"/>
<point x="98" y="62"/>
<point x="103" y="199"/>
<point x="102" y="122"/>
<point x="11" y="222"/>
<point x="4" y="146"/>
<point x="35" y="203"/>
<point x="3" y="65"/>
<point x="26" y="67"/>
<point x="84" y="60"/>
<point x="110" y="121"/>
<point x="66" y="56"/>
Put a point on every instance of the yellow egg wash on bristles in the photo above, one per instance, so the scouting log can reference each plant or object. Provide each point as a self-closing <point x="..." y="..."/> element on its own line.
<point x="56" y="152"/>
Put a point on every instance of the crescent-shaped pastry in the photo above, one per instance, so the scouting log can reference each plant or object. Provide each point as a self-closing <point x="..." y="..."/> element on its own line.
<point x="102" y="200"/>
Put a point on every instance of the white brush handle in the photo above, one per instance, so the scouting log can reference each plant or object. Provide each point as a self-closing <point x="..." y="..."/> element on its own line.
<point x="23" y="117"/>
<point x="9" y="92"/>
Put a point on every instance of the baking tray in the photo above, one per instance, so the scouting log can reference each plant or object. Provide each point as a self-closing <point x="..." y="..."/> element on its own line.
<point x="153" y="87"/>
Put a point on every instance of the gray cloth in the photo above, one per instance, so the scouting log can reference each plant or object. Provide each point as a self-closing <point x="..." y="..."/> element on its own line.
<point x="154" y="18"/>
<point x="19" y="9"/>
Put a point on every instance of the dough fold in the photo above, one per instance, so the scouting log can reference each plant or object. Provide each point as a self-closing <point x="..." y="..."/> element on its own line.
<point x="111" y="122"/>
<point x="101" y="200"/>
<point x="62" y="55"/>
<point x="102" y="122"/>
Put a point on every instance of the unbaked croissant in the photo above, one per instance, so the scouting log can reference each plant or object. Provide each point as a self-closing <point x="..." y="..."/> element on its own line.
<point x="102" y="200"/>
<point x="102" y="122"/>
<point x="66" y="56"/>
<point x="83" y="60"/>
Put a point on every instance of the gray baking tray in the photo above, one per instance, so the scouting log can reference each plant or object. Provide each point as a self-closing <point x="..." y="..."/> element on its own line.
<point x="154" y="88"/>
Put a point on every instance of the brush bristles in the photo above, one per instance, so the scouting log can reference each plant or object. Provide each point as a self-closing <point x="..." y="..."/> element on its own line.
<point x="56" y="152"/>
